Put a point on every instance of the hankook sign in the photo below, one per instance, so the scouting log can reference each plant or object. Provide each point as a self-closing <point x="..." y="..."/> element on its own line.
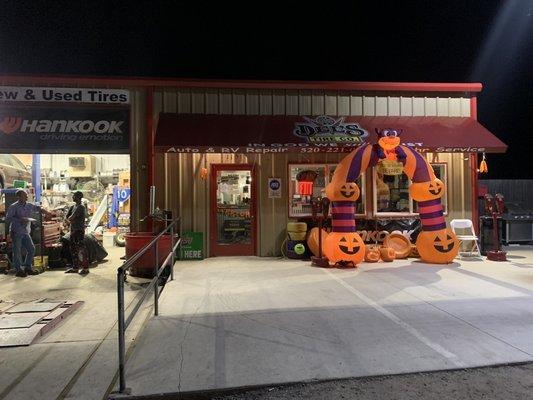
<point x="64" y="130"/>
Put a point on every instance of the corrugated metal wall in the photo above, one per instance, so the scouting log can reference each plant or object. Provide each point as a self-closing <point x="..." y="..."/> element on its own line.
<point x="181" y="189"/>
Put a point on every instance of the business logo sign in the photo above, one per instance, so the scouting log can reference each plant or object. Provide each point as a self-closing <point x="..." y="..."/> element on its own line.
<point x="326" y="129"/>
<point x="68" y="130"/>
<point x="63" y="95"/>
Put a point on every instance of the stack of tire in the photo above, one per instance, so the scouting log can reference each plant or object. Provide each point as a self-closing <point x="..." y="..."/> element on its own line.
<point x="296" y="244"/>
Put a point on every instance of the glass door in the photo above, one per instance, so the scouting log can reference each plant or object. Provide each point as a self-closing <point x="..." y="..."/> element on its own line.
<point x="232" y="210"/>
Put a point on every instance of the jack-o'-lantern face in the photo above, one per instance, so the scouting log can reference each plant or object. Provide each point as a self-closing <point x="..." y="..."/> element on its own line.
<point x="437" y="247"/>
<point x="423" y="191"/>
<point x="344" y="246"/>
<point x="345" y="191"/>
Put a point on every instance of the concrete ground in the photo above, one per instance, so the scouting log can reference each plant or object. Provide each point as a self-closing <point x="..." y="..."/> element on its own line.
<point x="234" y="322"/>
<point x="78" y="359"/>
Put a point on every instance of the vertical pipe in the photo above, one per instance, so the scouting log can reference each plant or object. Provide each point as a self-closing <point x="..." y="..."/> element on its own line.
<point x="36" y="175"/>
<point x="156" y="286"/>
<point x="473" y="172"/>
<point x="150" y="152"/>
<point x="172" y="250"/>
<point x="152" y="200"/>
<point x="121" y="333"/>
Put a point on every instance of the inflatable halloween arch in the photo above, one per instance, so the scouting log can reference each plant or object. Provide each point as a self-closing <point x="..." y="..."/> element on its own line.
<point x="436" y="244"/>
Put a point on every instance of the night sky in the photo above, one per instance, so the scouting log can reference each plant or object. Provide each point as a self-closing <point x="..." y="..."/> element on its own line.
<point x="421" y="41"/>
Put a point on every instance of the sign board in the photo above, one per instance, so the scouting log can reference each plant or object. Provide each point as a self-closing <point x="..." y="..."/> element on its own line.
<point x="389" y="167"/>
<point x="192" y="246"/>
<point x="375" y="230"/>
<point x="63" y="95"/>
<point x="274" y="188"/>
<point x="28" y="129"/>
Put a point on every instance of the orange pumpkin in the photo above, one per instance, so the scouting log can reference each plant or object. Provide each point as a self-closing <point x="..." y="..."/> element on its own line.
<point x="372" y="254"/>
<point x="437" y="247"/>
<point x="312" y="240"/>
<point x="342" y="191"/>
<point x="423" y="191"/>
<point x="387" y="253"/>
<point x="344" y="246"/>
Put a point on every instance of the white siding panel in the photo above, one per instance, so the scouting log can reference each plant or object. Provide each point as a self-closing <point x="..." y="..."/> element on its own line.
<point x="197" y="101"/>
<point x="369" y="105"/>
<point x="170" y="101"/>
<point x="252" y="102"/>
<point x="225" y="99"/>
<point x="343" y="104"/>
<point x="356" y="105"/>
<point x="381" y="106"/>
<point x="292" y="102"/>
<point x="317" y="103"/>
<point x="406" y="106"/>
<point x="184" y="101"/>
<point x="278" y="102"/>
<point x="465" y="107"/>
<point x="211" y="101"/>
<point x="394" y="106"/>
<point x="419" y="108"/>
<point x="454" y="107"/>
<point x="430" y="106"/>
<point x="330" y="103"/>
<point x="304" y="103"/>
<point x="442" y="107"/>
<point x="265" y="102"/>
<point x="239" y="102"/>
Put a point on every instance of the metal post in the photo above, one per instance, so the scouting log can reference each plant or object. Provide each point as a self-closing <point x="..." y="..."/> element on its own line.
<point x="172" y="249"/>
<point x="156" y="285"/>
<point x="121" y="331"/>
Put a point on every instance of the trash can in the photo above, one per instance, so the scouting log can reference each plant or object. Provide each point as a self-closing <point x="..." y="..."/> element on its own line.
<point x="144" y="266"/>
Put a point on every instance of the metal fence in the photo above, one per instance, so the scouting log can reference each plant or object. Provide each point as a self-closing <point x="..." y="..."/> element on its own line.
<point x="124" y="322"/>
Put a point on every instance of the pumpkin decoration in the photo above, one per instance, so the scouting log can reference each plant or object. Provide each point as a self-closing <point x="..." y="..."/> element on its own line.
<point x="344" y="246"/>
<point x="387" y="253"/>
<point x="312" y="240"/>
<point x="372" y="254"/>
<point x="437" y="247"/>
<point x="423" y="191"/>
<point x="399" y="243"/>
<point x="342" y="191"/>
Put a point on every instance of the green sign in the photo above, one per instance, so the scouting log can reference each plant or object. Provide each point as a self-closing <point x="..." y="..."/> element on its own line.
<point x="192" y="246"/>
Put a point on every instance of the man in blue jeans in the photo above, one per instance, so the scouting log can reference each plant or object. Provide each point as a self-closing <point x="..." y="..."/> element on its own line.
<point x="19" y="217"/>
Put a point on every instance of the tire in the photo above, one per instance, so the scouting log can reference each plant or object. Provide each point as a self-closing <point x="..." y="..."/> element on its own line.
<point x="120" y="239"/>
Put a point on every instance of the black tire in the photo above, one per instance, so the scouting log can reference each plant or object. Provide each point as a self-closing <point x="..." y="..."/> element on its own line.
<point x="120" y="239"/>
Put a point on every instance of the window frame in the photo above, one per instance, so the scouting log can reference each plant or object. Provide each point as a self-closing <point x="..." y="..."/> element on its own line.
<point x="411" y="213"/>
<point x="327" y="167"/>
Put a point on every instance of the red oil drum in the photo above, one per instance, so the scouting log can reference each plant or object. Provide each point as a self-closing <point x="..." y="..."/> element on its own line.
<point x="144" y="266"/>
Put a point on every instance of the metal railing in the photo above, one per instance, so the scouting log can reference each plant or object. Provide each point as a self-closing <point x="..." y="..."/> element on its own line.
<point x="124" y="322"/>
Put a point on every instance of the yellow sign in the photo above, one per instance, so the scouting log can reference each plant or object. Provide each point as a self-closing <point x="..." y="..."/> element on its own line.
<point x="389" y="167"/>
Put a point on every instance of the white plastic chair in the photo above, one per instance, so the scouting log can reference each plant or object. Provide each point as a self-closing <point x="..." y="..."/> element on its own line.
<point x="464" y="230"/>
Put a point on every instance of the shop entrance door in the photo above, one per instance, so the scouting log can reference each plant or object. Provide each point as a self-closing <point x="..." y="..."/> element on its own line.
<point x="233" y="219"/>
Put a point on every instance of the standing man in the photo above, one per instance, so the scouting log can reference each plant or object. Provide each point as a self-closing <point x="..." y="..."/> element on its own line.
<point x="76" y="217"/>
<point x="19" y="219"/>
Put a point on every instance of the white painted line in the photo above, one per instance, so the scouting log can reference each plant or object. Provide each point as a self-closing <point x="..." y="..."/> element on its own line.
<point x="413" y="331"/>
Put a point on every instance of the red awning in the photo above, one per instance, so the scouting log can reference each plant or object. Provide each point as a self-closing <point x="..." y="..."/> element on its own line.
<point x="199" y="133"/>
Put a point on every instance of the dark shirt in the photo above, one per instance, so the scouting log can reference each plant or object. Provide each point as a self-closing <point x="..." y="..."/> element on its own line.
<point x="78" y="220"/>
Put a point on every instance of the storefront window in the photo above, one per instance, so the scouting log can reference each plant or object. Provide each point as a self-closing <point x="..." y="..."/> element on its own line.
<point x="391" y="193"/>
<point x="391" y="190"/>
<point x="305" y="181"/>
<point x="310" y="180"/>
